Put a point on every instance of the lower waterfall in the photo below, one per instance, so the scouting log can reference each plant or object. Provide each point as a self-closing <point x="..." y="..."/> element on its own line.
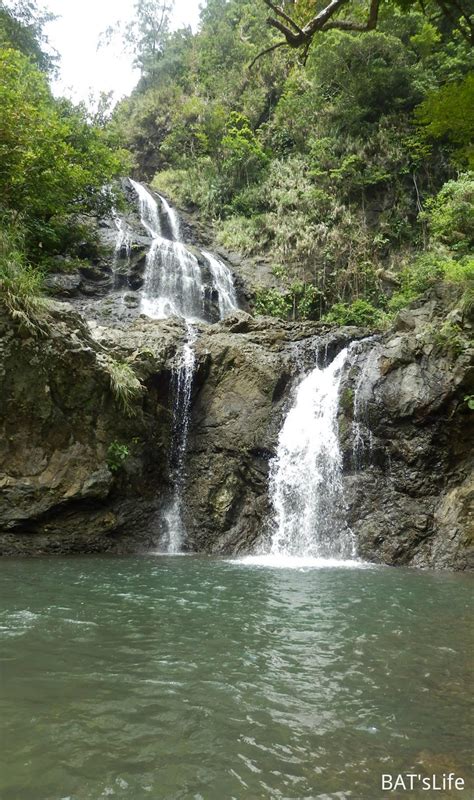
<point x="173" y="540"/>
<point x="305" y="476"/>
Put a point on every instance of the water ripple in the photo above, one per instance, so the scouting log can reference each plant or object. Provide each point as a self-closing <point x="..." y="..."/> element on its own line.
<point x="192" y="678"/>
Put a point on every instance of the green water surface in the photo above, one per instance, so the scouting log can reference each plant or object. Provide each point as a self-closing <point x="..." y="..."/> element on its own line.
<point x="191" y="678"/>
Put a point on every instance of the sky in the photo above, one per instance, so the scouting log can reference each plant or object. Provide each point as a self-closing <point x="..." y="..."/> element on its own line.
<point x="83" y="68"/>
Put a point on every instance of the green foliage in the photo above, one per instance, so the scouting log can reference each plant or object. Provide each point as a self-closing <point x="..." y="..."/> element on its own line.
<point x="272" y="303"/>
<point x="321" y="169"/>
<point x="145" y="34"/>
<point x="125" y="386"/>
<point x="299" y="301"/>
<point x="447" y="114"/>
<point x="467" y="299"/>
<point x="22" y="28"/>
<point x="20" y="284"/>
<point x="359" y="312"/>
<point x="54" y="163"/>
<point x="241" y="234"/>
<point x="469" y="400"/>
<point x="243" y="158"/>
<point x="449" y="338"/>
<point x="415" y="279"/>
<point x="450" y="214"/>
<point x="117" y="454"/>
<point x="424" y="272"/>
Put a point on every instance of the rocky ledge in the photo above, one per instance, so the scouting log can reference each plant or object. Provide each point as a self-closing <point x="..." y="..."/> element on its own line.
<point x="87" y="411"/>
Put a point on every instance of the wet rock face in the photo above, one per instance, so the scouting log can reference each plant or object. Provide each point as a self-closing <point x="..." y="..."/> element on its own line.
<point x="81" y="473"/>
<point x="63" y="430"/>
<point x="60" y="429"/>
<point x="407" y="436"/>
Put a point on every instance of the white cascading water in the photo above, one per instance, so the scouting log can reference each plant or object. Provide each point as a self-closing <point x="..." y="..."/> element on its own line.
<point x="173" y="219"/>
<point x="149" y="214"/>
<point x="362" y="437"/>
<point x="183" y="385"/>
<point x="173" y="281"/>
<point x="305" y="476"/>
<point x="174" y="284"/>
<point x="123" y="242"/>
<point x="223" y="283"/>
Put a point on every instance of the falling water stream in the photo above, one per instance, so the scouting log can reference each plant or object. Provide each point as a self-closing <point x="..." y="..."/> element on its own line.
<point x="123" y="247"/>
<point x="223" y="284"/>
<point x="306" y="493"/>
<point x="305" y="480"/>
<point x="174" y="285"/>
<point x="174" y="537"/>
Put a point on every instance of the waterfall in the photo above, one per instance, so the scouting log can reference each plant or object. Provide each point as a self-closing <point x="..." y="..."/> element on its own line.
<point x="183" y="384"/>
<point x="149" y="214"/>
<point x="223" y="283"/>
<point x="305" y="476"/>
<point x="173" y="219"/>
<point x="123" y="247"/>
<point x="174" y="283"/>
<point x="123" y="241"/>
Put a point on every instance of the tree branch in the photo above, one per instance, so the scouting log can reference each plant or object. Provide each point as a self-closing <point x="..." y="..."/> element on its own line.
<point x="292" y="39"/>
<point x="296" y="36"/>
<point x="351" y="25"/>
<point x="282" y="13"/>
<point x="265" y="52"/>
<point x="319" y="21"/>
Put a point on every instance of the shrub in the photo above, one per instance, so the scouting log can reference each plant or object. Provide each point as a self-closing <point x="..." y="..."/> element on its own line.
<point x="117" y="454"/>
<point x="360" y="312"/>
<point x="246" y="236"/>
<point x="124" y="384"/>
<point x="427" y="270"/>
<point x="20" y="283"/>
<point x="449" y="338"/>
<point x="450" y="214"/>
<point x="272" y="303"/>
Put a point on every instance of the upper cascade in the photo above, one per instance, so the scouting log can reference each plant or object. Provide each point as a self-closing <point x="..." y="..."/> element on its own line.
<point x="176" y="282"/>
<point x="305" y="476"/>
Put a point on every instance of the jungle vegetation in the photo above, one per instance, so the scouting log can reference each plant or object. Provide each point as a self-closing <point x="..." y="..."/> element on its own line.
<point x="331" y="140"/>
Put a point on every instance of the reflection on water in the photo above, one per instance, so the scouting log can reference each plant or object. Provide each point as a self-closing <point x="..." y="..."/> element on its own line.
<point x="176" y="678"/>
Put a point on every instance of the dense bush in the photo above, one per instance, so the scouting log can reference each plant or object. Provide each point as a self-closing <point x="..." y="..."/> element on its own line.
<point x="450" y="214"/>
<point x="360" y="312"/>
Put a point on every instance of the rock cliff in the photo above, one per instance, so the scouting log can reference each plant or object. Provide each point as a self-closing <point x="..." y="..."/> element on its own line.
<point x="85" y="468"/>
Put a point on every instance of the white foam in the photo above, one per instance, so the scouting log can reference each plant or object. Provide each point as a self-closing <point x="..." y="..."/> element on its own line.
<point x="282" y="561"/>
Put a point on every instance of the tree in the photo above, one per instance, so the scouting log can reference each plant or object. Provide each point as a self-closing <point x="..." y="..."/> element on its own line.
<point x="54" y="163"/>
<point x="145" y="34"/>
<point x="299" y="24"/>
<point x="448" y="113"/>
<point x="22" y="28"/>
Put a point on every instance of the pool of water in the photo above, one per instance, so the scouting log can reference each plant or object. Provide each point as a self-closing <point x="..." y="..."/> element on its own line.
<point x="191" y="678"/>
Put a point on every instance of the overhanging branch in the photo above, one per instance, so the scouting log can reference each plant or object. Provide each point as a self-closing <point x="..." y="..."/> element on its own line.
<point x="265" y="52"/>
<point x="296" y="36"/>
